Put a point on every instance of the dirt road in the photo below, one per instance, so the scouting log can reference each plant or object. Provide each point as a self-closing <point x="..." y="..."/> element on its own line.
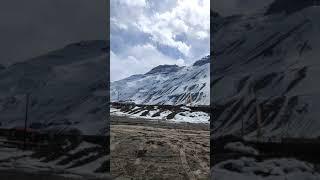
<point x="143" y="149"/>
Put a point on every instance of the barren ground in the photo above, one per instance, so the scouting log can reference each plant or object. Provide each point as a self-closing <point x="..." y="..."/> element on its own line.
<point x="143" y="149"/>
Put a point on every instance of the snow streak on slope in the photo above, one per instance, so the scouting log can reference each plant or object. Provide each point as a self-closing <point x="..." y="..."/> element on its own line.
<point x="269" y="60"/>
<point x="82" y="160"/>
<point x="272" y="169"/>
<point x="166" y="84"/>
<point x="66" y="89"/>
<point x="184" y="114"/>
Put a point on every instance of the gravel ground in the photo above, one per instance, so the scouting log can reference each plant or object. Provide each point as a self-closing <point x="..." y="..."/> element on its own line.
<point x="142" y="148"/>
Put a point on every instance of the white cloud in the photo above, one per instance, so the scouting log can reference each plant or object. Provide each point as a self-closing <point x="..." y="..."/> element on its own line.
<point x="162" y="27"/>
<point x="180" y="62"/>
<point x="133" y="3"/>
<point x="118" y="24"/>
<point x="202" y="34"/>
<point x="137" y="60"/>
<point x="189" y="17"/>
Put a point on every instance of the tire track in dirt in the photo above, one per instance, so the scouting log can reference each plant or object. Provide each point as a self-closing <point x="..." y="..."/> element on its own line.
<point x="180" y="147"/>
<point x="185" y="164"/>
<point x="163" y="151"/>
<point x="183" y="158"/>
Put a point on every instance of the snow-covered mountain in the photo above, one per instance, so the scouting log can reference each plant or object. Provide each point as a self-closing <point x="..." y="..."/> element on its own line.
<point x="271" y="58"/>
<point x="67" y="89"/>
<point x="166" y="84"/>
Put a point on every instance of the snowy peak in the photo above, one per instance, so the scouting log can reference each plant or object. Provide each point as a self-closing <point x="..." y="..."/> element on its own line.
<point x="202" y="61"/>
<point x="166" y="84"/>
<point x="164" y="69"/>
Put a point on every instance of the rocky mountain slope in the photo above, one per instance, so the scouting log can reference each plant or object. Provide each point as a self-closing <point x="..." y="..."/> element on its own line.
<point x="270" y="60"/>
<point x="67" y="89"/>
<point x="166" y="84"/>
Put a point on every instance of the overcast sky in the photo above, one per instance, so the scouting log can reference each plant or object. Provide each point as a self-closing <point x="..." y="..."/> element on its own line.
<point x="147" y="33"/>
<point x="144" y="33"/>
<point x="33" y="27"/>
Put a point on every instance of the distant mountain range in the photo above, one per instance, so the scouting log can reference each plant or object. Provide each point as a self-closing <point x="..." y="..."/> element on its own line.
<point x="270" y="59"/>
<point x="166" y="84"/>
<point x="67" y="89"/>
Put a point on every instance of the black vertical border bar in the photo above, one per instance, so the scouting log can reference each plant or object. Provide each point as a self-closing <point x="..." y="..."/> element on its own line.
<point x="211" y="90"/>
<point x="108" y="83"/>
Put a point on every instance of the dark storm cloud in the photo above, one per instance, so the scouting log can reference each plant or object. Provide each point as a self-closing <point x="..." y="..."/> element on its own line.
<point x="230" y="7"/>
<point x="31" y="28"/>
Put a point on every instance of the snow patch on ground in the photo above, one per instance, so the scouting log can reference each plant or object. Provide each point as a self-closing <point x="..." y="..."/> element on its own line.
<point x="164" y="114"/>
<point x="151" y="113"/>
<point x="240" y="147"/>
<point x="14" y="158"/>
<point x="192" y="117"/>
<point x="273" y="169"/>
<point x="185" y="116"/>
<point x="185" y="108"/>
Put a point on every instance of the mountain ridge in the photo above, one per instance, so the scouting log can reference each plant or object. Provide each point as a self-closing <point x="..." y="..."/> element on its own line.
<point x="161" y="85"/>
<point x="270" y="61"/>
<point x="65" y="88"/>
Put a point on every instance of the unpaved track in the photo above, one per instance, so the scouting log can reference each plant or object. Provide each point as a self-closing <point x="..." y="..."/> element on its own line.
<point x="144" y="149"/>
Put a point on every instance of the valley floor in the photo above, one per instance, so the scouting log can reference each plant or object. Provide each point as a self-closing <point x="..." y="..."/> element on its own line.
<point x="249" y="160"/>
<point x="70" y="159"/>
<point x="144" y="149"/>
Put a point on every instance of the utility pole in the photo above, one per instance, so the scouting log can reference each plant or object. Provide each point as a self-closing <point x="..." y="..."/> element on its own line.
<point x="259" y="117"/>
<point x="26" y="121"/>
